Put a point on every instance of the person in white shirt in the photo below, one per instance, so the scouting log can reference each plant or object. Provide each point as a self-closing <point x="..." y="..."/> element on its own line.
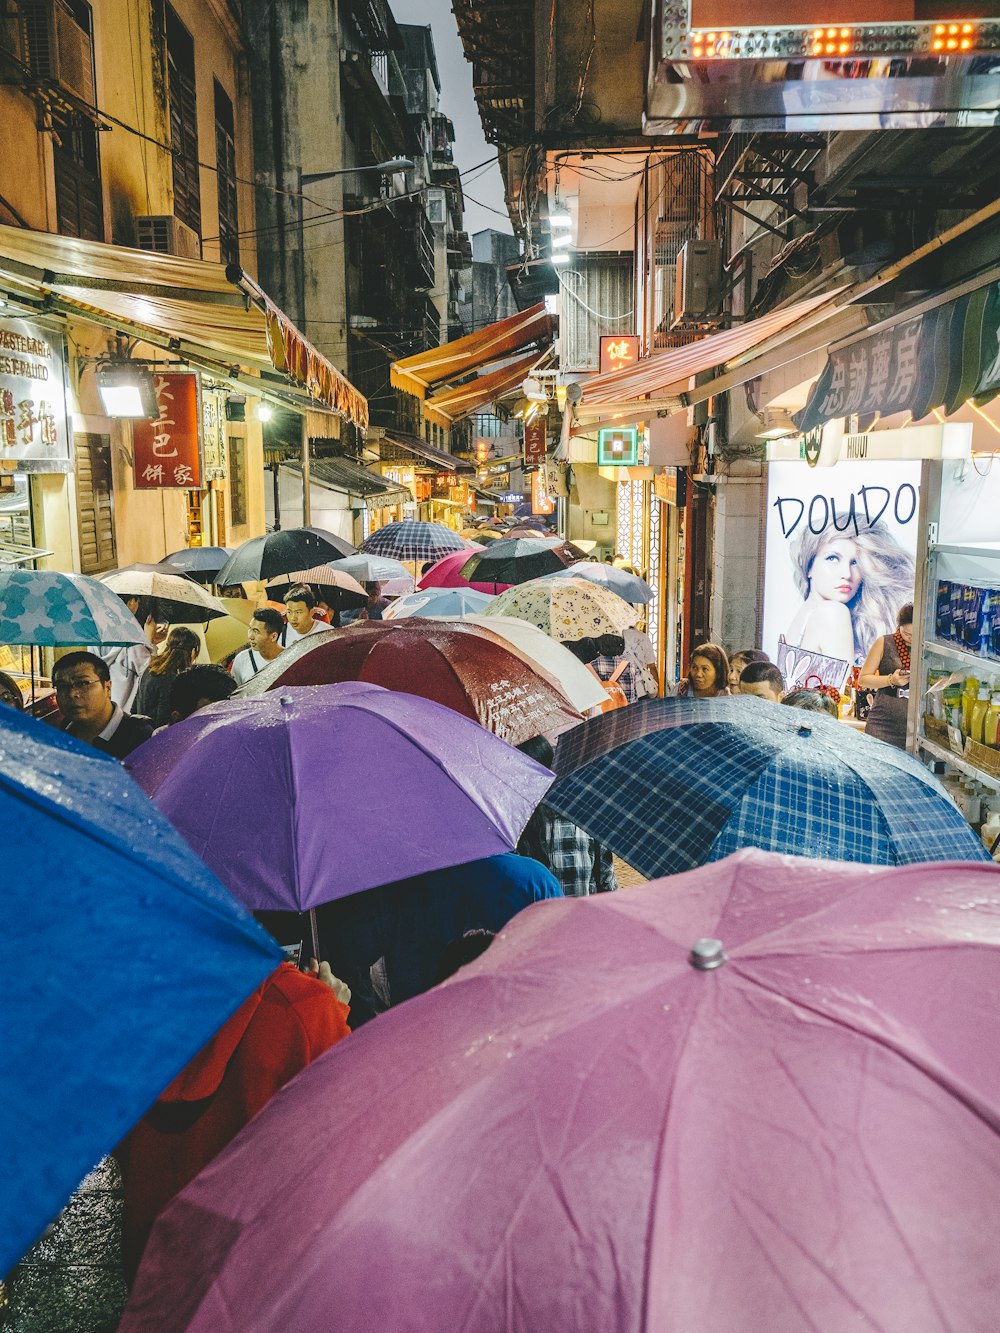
<point x="264" y="633"/>
<point x="300" y="608"/>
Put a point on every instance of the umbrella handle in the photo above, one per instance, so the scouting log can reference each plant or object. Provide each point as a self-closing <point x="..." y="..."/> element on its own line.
<point x="314" y="934"/>
<point x="996" y="844"/>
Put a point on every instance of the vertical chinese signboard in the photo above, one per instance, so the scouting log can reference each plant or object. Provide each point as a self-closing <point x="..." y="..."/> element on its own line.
<point x="541" y="501"/>
<point x="534" y="442"/>
<point x="618" y="350"/>
<point x="166" y="451"/>
<point x="33" y="432"/>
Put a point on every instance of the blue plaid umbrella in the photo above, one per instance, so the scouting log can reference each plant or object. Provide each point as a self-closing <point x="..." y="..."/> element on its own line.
<point x="54" y="610"/>
<point x="410" y="539"/>
<point x="669" y="784"/>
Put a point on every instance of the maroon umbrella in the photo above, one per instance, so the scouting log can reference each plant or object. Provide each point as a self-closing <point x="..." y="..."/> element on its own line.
<point x="461" y="668"/>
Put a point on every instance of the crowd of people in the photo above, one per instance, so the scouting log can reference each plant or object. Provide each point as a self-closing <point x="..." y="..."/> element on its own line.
<point x="377" y="948"/>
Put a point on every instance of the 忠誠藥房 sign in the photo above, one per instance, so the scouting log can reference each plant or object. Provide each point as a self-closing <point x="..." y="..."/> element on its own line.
<point x="33" y="429"/>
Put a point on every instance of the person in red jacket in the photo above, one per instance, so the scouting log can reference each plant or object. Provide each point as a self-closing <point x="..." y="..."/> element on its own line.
<point x="286" y="1023"/>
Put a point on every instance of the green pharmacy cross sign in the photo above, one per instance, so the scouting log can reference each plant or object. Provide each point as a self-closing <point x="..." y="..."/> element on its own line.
<point x="618" y="446"/>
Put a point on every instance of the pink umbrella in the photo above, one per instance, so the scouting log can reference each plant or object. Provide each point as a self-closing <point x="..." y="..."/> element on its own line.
<point x="613" y="1121"/>
<point x="447" y="573"/>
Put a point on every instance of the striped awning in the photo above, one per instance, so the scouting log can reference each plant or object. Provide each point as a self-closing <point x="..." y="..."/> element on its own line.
<point x="454" y="404"/>
<point x="666" y="375"/>
<point x="212" y="315"/>
<point x="419" y="374"/>
<point x="938" y="359"/>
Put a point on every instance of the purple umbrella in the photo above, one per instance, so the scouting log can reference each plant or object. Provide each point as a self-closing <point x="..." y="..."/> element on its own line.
<point x="301" y="796"/>
<point x="596" y="1127"/>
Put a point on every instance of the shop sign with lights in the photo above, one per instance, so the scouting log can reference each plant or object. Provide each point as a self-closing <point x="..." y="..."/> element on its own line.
<point x="618" y="351"/>
<point x="541" y="501"/>
<point x="166" y="452"/>
<point x="759" y="30"/>
<point x="33" y="432"/>
<point x="618" y="446"/>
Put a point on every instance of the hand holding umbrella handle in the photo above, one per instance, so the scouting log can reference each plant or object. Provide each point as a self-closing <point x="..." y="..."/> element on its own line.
<point x="323" y="972"/>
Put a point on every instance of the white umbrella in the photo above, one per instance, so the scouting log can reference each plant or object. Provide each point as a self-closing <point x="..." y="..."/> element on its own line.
<point x="179" y="598"/>
<point x="581" y="687"/>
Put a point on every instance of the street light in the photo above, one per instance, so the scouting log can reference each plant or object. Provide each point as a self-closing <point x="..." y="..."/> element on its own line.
<point x="388" y="168"/>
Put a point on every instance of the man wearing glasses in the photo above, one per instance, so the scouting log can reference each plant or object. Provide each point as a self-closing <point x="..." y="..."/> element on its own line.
<point x="83" y="692"/>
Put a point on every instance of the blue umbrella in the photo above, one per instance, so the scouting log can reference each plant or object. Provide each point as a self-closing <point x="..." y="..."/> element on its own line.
<point x="120" y="956"/>
<point x="629" y="587"/>
<point x="201" y="563"/>
<point x="53" y="610"/>
<point x="670" y="784"/>
<point x="440" y="602"/>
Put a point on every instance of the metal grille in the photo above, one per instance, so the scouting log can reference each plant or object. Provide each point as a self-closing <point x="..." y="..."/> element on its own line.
<point x="596" y="299"/>
<point x="654" y="610"/>
<point x="683" y="212"/>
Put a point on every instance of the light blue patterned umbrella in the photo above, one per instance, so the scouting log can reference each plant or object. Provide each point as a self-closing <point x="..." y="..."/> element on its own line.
<point x="629" y="587"/>
<point x="55" y="610"/>
<point x="440" y="602"/>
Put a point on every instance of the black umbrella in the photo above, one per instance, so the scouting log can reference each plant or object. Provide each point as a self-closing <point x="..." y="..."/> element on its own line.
<point x="518" y="559"/>
<point x="201" y="563"/>
<point x="276" y="553"/>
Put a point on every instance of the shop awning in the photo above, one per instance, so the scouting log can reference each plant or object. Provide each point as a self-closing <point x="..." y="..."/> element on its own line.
<point x="453" y="404"/>
<point x="658" y="381"/>
<point x="395" y="442"/>
<point x="937" y="359"/>
<point x="368" y="490"/>
<point x="212" y="315"/>
<point x="451" y="361"/>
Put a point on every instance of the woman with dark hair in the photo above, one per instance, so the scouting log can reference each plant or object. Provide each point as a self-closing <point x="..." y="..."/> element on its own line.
<point x="708" y="673"/>
<point x="887" y="672"/>
<point x="153" y="695"/>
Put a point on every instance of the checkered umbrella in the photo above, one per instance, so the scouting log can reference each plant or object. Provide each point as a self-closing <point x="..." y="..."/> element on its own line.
<point x="670" y="784"/>
<point x="410" y="539"/>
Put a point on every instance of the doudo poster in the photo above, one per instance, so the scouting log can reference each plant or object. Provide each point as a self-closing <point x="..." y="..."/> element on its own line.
<point x="840" y="558"/>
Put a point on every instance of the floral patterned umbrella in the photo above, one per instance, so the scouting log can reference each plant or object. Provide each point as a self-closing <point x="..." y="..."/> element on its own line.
<point x="54" y="610"/>
<point x="568" y="609"/>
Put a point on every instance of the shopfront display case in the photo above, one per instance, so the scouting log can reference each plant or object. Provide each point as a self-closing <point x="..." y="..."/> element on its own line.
<point x="955" y="713"/>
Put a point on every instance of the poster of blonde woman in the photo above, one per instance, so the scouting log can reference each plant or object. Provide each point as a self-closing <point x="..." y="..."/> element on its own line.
<point x="839" y="559"/>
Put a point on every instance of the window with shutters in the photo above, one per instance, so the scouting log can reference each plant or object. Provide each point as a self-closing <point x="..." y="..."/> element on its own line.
<point x="95" y="503"/>
<point x="237" y="480"/>
<point x="183" y="112"/>
<point x="58" y="43"/>
<point x="75" y="156"/>
<point x="225" y="161"/>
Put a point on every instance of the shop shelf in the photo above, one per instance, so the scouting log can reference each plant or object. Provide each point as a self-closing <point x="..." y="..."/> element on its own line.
<point x="975" y="549"/>
<point x="962" y="655"/>
<point x="956" y="761"/>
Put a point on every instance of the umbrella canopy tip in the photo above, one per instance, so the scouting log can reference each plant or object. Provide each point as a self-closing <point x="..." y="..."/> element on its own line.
<point x="706" y="955"/>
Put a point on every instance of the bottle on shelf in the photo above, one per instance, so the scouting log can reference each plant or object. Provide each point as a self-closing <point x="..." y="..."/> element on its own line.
<point x="970" y="696"/>
<point x="991" y="726"/>
<point x="979" y="710"/>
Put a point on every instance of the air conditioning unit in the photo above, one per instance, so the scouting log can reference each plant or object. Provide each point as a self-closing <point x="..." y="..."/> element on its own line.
<point x="56" y="47"/>
<point x="167" y="235"/>
<point x="698" y="293"/>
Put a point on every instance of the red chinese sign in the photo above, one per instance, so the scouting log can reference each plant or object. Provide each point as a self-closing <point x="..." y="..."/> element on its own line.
<point x="165" y="452"/>
<point x="618" y="350"/>
<point x="534" y="442"/>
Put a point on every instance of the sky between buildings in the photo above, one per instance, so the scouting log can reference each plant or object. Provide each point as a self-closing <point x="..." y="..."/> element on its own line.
<point x="484" y="206"/>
